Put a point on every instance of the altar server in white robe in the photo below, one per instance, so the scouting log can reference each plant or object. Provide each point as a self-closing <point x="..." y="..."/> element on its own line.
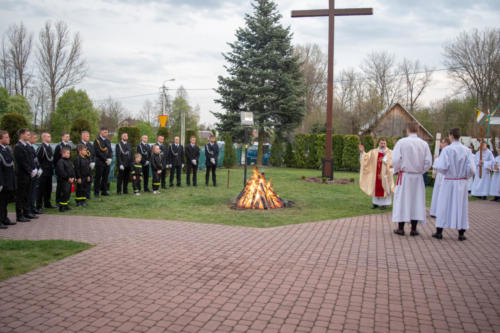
<point x="439" y="179"/>
<point x="495" y="179"/>
<point x="457" y="164"/>
<point x="411" y="158"/>
<point x="481" y="185"/>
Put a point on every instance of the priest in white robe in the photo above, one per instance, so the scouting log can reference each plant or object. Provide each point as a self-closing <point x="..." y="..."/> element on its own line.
<point x="439" y="179"/>
<point x="375" y="176"/>
<point x="411" y="158"/>
<point x="495" y="179"/>
<point x="481" y="185"/>
<point x="457" y="164"/>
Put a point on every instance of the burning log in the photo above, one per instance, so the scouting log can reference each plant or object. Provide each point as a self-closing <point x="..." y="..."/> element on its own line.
<point x="259" y="194"/>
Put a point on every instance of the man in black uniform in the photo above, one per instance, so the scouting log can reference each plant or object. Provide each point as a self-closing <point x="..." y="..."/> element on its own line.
<point x="163" y="154"/>
<point x="103" y="156"/>
<point x="211" y="158"/>
<point x="35" y="181"/>
<point x="7" y="179"/>
<point x="175" y="160"/>
<point x="124" y="160"/>
<point x="25" y="170"/>
<point x="57" y="155"/>
<point x="91" y="159"/>
<point x="192" y="156"/>
<point x="45" y="157"/>
<point x="144" y="149"/>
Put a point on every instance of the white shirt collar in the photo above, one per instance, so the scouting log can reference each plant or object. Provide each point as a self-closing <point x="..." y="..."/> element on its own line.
<point x="412" y="135"/>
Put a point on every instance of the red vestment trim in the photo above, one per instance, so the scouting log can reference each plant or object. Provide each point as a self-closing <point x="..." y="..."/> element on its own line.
<point x="379" y="189"/>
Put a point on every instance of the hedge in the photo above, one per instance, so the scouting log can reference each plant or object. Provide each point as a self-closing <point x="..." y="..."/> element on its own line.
<point x="350" y="155"/>
<point x="229" y="152"/>
<point x="12" y="122"/>
<point x="277" y="158"/>
<point x="134" y="135"/>
<point x="289" y="158"/>
<point x="368" y="142"/>
<point x="338" y="149"/>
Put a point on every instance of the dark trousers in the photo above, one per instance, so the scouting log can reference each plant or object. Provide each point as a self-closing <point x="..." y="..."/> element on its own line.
<point x="211" y="168"/>
<point x="163" y="178"/>
<point x="175" y="169"/>
<point x="65" y="192"/>
<point x="89" y="186"/>
<point x="191" y="168"/>
<point x="101" y="179"/>
<point x="136" y="184"/>
<point x="5" y="196"/>
<point x="156" y="180"/>
<point x="145" y="176"/>
<point x="22" y="195"/>
<point x="44" y="190"/>
<point x="122" y="180"/>
<point x="35" y="185"/>
<point x="81" y="190"/>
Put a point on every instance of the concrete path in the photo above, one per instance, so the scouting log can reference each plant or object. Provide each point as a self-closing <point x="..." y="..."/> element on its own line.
<point x="351" y="274"/>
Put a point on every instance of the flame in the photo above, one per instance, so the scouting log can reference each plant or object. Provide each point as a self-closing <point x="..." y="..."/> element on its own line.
<point x="259" y="194"/>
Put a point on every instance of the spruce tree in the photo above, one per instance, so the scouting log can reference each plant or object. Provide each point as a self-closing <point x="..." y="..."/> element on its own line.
<point x="264" y="77"/>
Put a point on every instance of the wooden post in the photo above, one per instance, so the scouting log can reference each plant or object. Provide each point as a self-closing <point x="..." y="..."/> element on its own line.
<point x="228" y="170"/>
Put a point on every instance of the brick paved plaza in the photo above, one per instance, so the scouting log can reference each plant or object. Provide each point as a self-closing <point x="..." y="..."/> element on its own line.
<point x="352" y="274"/>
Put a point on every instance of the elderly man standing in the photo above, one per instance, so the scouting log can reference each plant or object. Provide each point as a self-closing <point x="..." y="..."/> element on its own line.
<point x="411" y="158"/>
<point x="375" y="175"/>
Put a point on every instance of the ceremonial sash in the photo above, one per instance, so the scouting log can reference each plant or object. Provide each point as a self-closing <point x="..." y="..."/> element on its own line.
<point x="399" y="180"/>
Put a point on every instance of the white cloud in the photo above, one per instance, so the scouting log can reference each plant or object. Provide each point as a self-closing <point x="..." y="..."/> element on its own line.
<point x="133" y="46"/>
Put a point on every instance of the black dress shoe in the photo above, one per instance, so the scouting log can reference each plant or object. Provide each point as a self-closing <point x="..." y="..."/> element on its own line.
<point x="39" y="211"/>
<point x="414" y="233"/>
<point x="30" y="216"/>
<point x="49" y="206"/>
<point x="462" y="237"/>
<point x="399" y="232"/>
<point x="61" y="209"/>
<point x="8" y="222"/>
<point x="383" y="207"/>
<point x="22" y="219"/>
<point x="3" y="226"/>
<point x="437" y="236"/>
<point x="374" y="206"/>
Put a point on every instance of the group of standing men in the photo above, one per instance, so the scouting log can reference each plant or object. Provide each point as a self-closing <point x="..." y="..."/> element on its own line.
<point x="27" y="172"/>
<point x="410" y="159"/>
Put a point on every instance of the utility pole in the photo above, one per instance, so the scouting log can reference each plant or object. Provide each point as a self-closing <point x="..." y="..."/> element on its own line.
<point x="183" y="127"/>
<point x="163" y="99"/>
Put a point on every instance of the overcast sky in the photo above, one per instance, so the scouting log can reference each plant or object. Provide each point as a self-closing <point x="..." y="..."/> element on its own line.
<point x="133" y="46"/>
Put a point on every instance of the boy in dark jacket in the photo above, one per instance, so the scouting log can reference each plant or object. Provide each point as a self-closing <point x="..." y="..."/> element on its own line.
<point x="137" y="174"/>
<point x="65" y="177"/>
<point x="82" y="174"/>
<point x="157" y="168"/>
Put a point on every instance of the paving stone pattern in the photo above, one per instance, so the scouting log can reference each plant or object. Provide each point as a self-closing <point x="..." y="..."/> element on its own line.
<point x="351" y="275"/>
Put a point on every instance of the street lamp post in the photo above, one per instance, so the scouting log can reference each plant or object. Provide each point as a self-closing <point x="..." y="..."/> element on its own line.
<point x="247" y="123"/>
<point x="164" y="96"/>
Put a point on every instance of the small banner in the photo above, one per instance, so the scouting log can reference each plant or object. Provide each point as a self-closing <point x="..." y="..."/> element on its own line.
<point x="163" y="120"/>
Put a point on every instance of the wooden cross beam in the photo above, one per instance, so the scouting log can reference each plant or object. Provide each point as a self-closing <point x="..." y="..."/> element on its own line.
<point x="331" y="12"/>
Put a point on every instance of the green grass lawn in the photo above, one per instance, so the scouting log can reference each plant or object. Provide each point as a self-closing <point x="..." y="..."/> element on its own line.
<point x="20" y="256"/>
<point x="313" y="202"/>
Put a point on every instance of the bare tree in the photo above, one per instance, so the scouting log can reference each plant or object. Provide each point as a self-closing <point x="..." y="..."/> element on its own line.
<point x="39" y="97"/>
<point x="6" y="72"/>
<point x="473" y="60"/>
<point x="314" y="69"/>
<point x="60" y="59"/>
<point x="383" y="76"/>
<point x="148" y="112"/>
<point x="20" y="42"/>
<point x="416" y="80"/>
<point x="112" y="113"/>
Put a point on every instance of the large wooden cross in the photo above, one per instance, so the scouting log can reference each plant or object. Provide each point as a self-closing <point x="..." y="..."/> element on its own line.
<point x="331" y="12"/>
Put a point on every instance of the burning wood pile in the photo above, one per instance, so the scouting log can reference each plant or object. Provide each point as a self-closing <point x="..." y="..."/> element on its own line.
<point x="259" y="194"/>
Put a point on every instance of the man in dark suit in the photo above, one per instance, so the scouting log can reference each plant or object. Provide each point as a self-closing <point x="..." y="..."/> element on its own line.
<point x="103" y="157"/>
<point x="124" y="160"/>
<point x="192" y="156"/>
<point x="163" y="154"/>
<point x="45" y="157"/>
<point x="7" y="179"/>
<point x="25" y="170"/>
<point x="35" y="181"/>
<point x="211" y="158"/>
<point x="175" y="160"/>
<point x="144" y="149"/>
<point x="91" y="157"/>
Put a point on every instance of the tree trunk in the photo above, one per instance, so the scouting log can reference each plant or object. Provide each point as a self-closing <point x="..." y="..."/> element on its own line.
<point x="53" y="102"/>
<point x="260" y="151"/>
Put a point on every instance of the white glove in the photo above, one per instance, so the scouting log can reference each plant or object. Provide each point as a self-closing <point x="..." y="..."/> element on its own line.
<point x="147" y="163"/>
<point x="33" y="173"/>
<point x="193" y="161"/>
<point x="40" y="171"/>
<point x="122" y="167"/>
<point x="212" y="160"/>
<point x="92" y="165"/>
<point x="182" y="165"/>
<point x="1" y="188"/>
<point x="108" y="161"/>
<point x="169" y="166"/>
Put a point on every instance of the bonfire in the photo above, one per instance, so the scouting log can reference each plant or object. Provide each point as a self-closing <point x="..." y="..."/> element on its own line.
<point x="259" y="194"/>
